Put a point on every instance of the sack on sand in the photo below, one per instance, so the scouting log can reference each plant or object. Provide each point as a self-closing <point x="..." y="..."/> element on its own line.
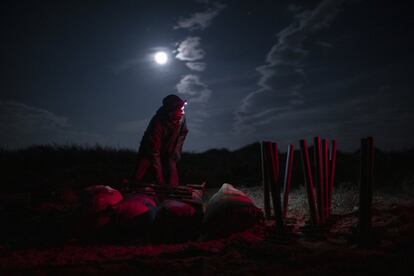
<point x="133" y="217"/>
<point x="176" y="221"/>
<point x="229" y="211"/>
<point x="134" y="206"/>
<point x="98" y="198"/>
<point x="94" y="216"/>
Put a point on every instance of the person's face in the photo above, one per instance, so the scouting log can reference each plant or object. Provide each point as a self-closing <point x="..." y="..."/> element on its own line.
<point x="177" y="114"/>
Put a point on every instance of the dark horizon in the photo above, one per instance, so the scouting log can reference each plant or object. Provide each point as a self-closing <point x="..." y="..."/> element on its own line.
<point x="249" y="145"/>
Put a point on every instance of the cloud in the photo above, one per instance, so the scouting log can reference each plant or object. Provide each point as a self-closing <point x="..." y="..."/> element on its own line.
<point x="283" y="75"/>
<point x="22" y="125"/>
<point x="192" y="86"/>
<point x="200" y="20"/>
<point x="189" y="49"/>
<point x="197" y="94"/>
<point x="197" y="66"/>
<point x="195" y="120"/>
<point x="27" y="118"/>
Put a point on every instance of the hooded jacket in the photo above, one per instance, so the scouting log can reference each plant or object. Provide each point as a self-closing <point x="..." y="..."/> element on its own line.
<point x="163" y="140"/>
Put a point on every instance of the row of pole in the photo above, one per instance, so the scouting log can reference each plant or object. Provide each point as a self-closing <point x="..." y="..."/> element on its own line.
<point x="319" y="178"/>
<point x="273" y="182"/>
<point x="319" y="185"/>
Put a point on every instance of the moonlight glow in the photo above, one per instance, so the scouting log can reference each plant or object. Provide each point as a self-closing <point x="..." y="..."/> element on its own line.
<point x="161" y="58"/>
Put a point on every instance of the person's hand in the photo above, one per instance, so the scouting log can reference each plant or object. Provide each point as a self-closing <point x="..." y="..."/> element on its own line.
<point x="177" y="155"/>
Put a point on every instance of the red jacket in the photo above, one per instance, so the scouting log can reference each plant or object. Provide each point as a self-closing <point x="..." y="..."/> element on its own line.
<point x="162" y="140"/>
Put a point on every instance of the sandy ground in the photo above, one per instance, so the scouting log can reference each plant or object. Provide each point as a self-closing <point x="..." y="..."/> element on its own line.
<point x="261" y="250"/>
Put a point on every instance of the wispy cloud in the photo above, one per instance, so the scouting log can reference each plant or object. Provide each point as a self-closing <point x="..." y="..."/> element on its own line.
<point x="196" y="123"/>
<point x="200" y="20"/>
<point x="283" y="75"/>
<point x="197" y="66"/>
<point x="190" y="49"/>
<point x="23" y="125"/>
<point x="28" y="118"/>
<point x="192" y="87"/>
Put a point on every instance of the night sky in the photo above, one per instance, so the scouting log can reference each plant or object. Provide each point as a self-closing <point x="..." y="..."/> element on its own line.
<point x="83" y="71"/>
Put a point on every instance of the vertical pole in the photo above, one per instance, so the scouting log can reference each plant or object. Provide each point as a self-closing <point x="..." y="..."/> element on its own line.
<point x="307" y="172"/>
<point x="318" y="178"/>
<point x="288" y="178"/>
<point x="370" y="175"/>
<point x="277" y="160"/>
<point x="275" y="184"/>
<point x="332" y="161"/>
<point x="363" y="214"/>
<point x="325" y="166"/>
<point x="265" y="179"/>
<point x="365" y="200"/>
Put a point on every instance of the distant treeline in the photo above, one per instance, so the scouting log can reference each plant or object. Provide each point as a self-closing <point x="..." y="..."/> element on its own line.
<point x="49" y="167"/>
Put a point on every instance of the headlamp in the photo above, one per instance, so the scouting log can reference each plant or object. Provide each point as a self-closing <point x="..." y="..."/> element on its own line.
<point x="183" y="107"/>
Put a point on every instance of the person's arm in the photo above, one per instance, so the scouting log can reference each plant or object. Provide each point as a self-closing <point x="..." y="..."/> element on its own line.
<point x="181" y="139"/>
<point x="155" y="139"/>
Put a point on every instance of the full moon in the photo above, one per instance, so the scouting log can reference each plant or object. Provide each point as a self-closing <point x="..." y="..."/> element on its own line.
<point x="161" y="58"/>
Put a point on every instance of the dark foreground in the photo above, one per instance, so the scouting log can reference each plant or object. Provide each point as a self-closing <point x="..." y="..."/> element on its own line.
<point x="257" y="251"/>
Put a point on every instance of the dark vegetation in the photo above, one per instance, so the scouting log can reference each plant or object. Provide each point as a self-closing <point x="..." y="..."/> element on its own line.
<point x="55" y="237"/>
<point x="40" y="169"/>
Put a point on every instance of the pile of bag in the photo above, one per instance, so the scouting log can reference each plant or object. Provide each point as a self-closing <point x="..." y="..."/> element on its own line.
<point x="229" y="211"/>
<point x="106" y="214"/>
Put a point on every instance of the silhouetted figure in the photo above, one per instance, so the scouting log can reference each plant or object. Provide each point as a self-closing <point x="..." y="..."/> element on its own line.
<point x="162" y="143"/>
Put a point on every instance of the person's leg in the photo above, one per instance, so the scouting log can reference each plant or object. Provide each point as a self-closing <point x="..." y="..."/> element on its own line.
<point x="142" y="167"/>
<point x="172" y="172"/>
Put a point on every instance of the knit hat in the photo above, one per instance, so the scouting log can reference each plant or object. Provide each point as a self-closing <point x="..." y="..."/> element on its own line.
<point x="172" y="102"/>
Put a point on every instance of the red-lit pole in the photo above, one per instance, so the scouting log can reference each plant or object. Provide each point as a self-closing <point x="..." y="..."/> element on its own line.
<point x="318" y="178"/>
<point x="332" y="161"/>
<point x="288" y="178"/>
<point x="307" y="172"/>
<point x="273" y="154"/>
<point x="325" y="165"/>
<point x="370" y="165"/>
<point x="265" y="179"/>
<point x="276" y="160"/>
